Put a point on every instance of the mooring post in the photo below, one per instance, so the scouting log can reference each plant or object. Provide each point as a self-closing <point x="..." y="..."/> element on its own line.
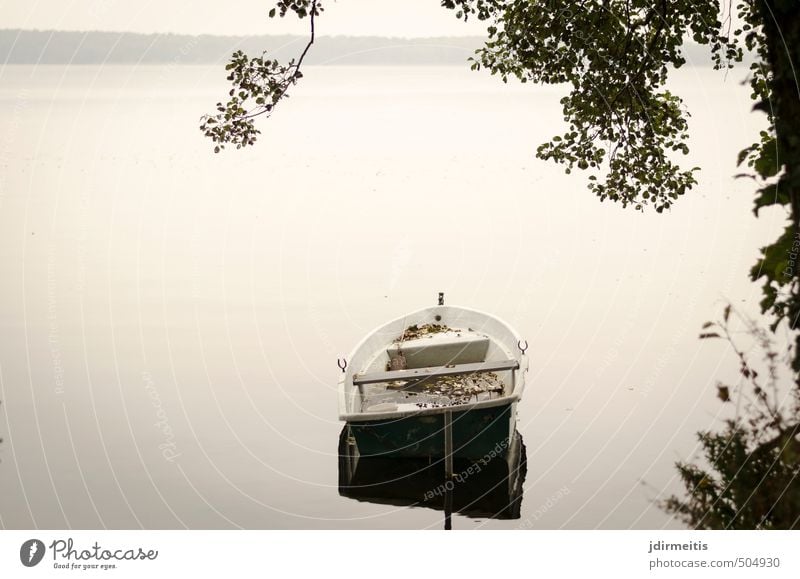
<point x="448" y="469"/>
<point x="448" y="445"/>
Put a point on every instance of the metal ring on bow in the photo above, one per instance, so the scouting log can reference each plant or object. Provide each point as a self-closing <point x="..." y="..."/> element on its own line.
<point x="521" y="349"/>
<point x="342" y="363"/>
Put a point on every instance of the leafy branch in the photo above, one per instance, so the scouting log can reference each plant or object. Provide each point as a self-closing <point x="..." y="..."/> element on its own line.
<point x="258" y="85"/>
<point x="624" y="126"/>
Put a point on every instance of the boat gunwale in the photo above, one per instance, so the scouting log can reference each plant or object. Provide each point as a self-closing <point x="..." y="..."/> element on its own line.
<point x="455" y="409"/>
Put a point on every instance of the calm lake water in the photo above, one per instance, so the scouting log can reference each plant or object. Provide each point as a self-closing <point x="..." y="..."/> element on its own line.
<point x="171" y="318"/>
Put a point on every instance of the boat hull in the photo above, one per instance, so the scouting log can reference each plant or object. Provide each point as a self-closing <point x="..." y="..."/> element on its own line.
<point x="477" y="433"/>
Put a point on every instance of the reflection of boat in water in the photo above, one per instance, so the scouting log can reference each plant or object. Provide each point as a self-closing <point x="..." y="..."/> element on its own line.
<point x="436" y="377"/>
<point x="489" y="487"/>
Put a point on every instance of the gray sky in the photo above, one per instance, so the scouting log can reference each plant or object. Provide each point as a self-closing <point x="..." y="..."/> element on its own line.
<point x="352" y="17"/>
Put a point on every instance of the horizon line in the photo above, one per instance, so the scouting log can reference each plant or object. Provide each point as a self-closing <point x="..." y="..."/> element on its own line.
<point x="196" y="35"/>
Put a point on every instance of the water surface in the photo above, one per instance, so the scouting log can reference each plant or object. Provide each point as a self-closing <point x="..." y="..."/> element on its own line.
<point x="171" y="318"/>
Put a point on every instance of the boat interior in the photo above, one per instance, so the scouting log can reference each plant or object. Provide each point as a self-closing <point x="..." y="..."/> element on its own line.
<point x="433" y="365"/>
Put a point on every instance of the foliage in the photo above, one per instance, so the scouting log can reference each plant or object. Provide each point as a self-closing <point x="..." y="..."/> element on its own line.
<point x="771" y="29"/>
<point x="258" y="85"/>
<point x="750" y="480"/>
<point x="614" y="55"/>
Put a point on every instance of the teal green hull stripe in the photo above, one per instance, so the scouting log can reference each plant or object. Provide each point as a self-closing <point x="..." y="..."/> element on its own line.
<point x="476" y="434"/>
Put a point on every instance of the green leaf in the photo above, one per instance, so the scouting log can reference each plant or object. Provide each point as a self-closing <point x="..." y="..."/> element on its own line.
<point x="709" y="335"/>
<point x="767" y="164"/>
<point x="771" y="194"/>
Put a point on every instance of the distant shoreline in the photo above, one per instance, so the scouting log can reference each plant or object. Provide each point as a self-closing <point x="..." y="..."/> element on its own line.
<point x="97" y="47"/>
<point x="68" y="47"/>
